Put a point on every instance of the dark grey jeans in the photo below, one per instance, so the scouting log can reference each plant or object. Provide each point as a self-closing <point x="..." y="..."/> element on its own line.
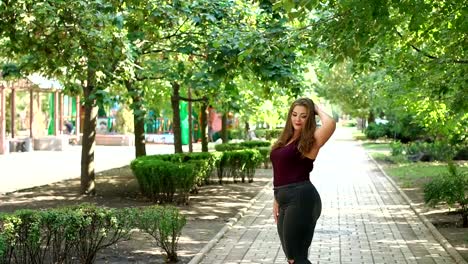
<point x="300" y="207"/>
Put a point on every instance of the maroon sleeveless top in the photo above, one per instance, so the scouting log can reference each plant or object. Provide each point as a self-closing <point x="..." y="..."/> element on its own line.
<point x="289" y="166"/>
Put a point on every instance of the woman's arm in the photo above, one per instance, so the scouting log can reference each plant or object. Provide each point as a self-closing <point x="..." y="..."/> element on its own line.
<point x="323" y="133"/>
<point x="275" y="210"/>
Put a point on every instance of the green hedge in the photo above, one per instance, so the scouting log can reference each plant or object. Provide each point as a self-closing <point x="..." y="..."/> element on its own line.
<point x="242" y="145"/>
<point x="375" y="131"/>
<point x="265" y="153"/>
<point x="268" y="134"/>
<point x="264" y="147"/>
<point x="170" y="178"/>
<point x="426" y="151"/>
<point x="204" y="161"/>
<point x="238" y="164"/>
<point x="161" y="180"/>
<point x="451" y="188"/>
<point x="76" y="234"/>
<point x="67" y="235"/>
<point x="165" y="225"/>
<point x="236" y="134"/>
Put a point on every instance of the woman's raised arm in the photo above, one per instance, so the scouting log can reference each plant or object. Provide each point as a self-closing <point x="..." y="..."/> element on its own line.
<point x="323" y="133"/>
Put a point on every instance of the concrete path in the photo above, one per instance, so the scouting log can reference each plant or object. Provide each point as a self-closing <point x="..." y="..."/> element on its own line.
<point x="21" y="170"/>
<point x="364" y="219"/>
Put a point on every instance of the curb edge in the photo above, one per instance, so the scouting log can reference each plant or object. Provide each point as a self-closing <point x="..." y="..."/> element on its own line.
<point x="437" y="235"/>
<point x="201" y="254"/>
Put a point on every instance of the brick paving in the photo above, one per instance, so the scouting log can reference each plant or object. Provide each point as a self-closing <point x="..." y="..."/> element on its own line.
<point x="364" y="219"/>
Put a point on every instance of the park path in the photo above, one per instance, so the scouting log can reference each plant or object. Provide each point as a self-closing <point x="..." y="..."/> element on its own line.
<point x="364" y="219"/>
<point x="21" y="170"/>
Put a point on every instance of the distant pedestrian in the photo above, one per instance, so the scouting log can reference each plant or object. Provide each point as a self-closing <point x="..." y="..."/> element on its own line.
<point x="297" y="204"/>
<point x="68" y="127"/>
<point x="211" y="119"/>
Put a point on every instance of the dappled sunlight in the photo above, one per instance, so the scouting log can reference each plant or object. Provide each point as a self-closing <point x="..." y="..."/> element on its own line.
<point x="207" y="212"/>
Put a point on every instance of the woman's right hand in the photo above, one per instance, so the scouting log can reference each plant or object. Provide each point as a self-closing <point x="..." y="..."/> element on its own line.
<point x="275" y="210"/>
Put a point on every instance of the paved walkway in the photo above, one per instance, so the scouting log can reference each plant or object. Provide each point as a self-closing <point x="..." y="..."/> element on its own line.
<point x="364" y="219"/>
<point x="29" y="169"/>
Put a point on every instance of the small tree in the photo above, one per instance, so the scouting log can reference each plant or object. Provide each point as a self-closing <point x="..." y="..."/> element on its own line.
<point x="124" y="121"/>
<point x="450" y="187"/>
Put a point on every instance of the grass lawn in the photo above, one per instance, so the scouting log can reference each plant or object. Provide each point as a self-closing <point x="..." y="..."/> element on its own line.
<point x="407" y="172"/>
<point x="412" y="177"/>
<point x="376" y="146"/>
<point x="358" y="135"/>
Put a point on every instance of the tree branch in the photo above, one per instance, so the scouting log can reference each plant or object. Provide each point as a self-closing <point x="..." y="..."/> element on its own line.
<point x="203" y="99"/>
<point x="144" y="78"/>
<point x="177" y="30"/>
<point x="432" y="56"/>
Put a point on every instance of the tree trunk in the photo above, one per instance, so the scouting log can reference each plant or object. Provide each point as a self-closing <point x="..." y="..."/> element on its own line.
<point x="176" y="118"/>
<point x="371" y="117"/>
<point x="190" y="127"/>
<point x="203" y="125"/>
<point x="88" y="142"/>
<point x="138" y="120"/>
<point x="465" y="218"/>
<point x="247" y="131"/>
<point x="224" y="130"/>
<point x="139" y="128"/>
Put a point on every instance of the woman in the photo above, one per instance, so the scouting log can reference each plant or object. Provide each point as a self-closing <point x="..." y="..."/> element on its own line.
<point x="297" y="204"/>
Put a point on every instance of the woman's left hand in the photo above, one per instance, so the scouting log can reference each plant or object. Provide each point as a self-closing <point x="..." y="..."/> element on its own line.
<point x="275" y="210"/>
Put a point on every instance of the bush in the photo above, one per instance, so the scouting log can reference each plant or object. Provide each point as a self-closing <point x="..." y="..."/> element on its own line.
<point x="265" y="154"/>
<point x="255" y="144"/>
<point x="205" y="162"/>
<point x="160" y="180"/>
<point x="268" y="134"/>
<point x="397" y="148"/>
<point x="451" y="188"/>
<point x="239" y="163"/>
<point x="426" y="151"/>
<point x="124" y="121"/>
<point x="236" y="134"/>
<point x="273" y="133"/>
<point x="66" y="235"/>
<point x="462" y="154"/>
<point x="76" y="234"/>
<point x="405" y="129"/>
<point x="165" y="225"/>
<point x="260" y="133"/>
<point x="241" y="159"/>
<point x="242" y="145"/>
<point x="375" y="131"/>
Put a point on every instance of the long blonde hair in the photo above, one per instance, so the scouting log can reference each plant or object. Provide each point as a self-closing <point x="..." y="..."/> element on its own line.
<point x="306" y="139"/>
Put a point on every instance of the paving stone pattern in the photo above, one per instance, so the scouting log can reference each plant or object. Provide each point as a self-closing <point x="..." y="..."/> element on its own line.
<point x="364" y="219"/>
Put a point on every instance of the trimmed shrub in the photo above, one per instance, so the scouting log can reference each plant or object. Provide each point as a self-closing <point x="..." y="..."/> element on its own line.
<point x="66" y="235"/>
<point x="239" y="163"/>
<point x="273" y="133"/>
<point x="255" y="144"/>
<point x="451" y="188"/>
<point x="236" y="164"/>
<point x="236" y="134"/>
<point x="265" y="153"/>
<point x="205" y="163"/>
<point x="375" y="131"/>
<point x="165" y="225"/>
<point x="242" y="145"/>
<point x="159" y="180"/>
<point x="425" y="151"/>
